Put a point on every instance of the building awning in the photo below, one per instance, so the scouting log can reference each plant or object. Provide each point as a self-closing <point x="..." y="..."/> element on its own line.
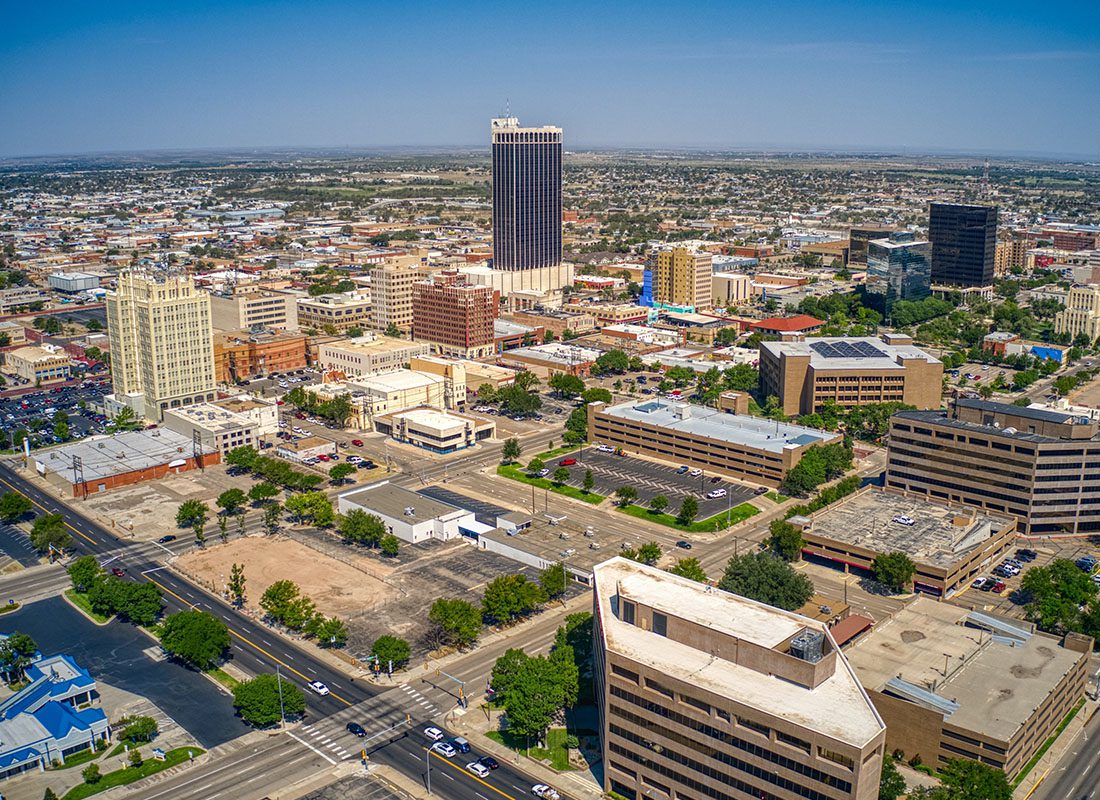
<point x="849" y="628"/>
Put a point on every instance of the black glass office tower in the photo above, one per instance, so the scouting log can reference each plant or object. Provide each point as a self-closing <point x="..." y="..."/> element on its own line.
<point x="964" y="240"/>
<point x="526" y="196"/>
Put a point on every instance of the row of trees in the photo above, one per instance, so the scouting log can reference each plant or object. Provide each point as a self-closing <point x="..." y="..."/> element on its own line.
<point x="285" y="605"/>
<point x="519" y="397"/>
<point x="818" y="465"/>
<point x="138" y="602"/>
<point x="271" y="470"/>
<point x="337" y="410"/>
<point x="368" y="530"/>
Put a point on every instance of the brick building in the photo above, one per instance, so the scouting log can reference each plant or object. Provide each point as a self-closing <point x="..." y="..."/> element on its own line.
<point x="239" y="355"/>
<point x="453" y="316"/>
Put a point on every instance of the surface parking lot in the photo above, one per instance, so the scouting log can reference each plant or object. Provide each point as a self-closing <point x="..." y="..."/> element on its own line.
<point x="650" y="479"/>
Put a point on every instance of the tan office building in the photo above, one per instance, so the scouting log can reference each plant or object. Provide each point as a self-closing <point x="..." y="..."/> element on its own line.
<point x="716" y="441"/>
<point x="38" y="365"/>
<point x="392" y="291"/>
<point x="338" y="312"/>
<point x="682" y="277"/>
<point x="850" y="372"/>
<point x="954" y="683"/>
<point x="248" y="310"/>
<point x="1081" y="314"/>
<point x="369" y="354"/>
<point x="730" y="289"/>
<point x="706" y="694"/>
<point x="162" y="352"/>
<point x="1041" y="466"/>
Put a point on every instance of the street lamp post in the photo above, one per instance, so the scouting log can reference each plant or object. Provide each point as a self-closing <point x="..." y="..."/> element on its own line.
<point x="282" y="709"/>
<point x="428" y="762"/>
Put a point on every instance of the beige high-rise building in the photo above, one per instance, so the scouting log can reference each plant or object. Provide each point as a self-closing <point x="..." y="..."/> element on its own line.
<point x="682" y="277"/>
<point x="392" y="291"/>
<point x="706" y="694"/>
<point x="1081" y="314"/>
<point x="162" y="352"/>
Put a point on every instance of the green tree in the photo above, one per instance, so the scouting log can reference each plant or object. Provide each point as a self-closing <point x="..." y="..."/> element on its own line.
<point x="511" y="450"/>
<point x="223" y="528"/>
<point x="16" y="652"/>
<point x="689" y="568"/>
<point x="649" y="553"/>
<point x="360" y="527"/>
<point x="456" y="622"/>
<point x="893" y="570"/>
<point x="314" y="507"/>
<point x="785" y="539"/>
<point x="576" y="426"/>
<point x="84" y="572"/>
<point x="61" y="426"/>
<point x="49" y="531"/>
<point x="388" y="649"/>
<point x="626" y="495"/>
<point x="192" y="513"/>
<point x="534" y="697"/>
<point x="658" y="503"/>
<point x="257" y="700"/>
<point x="329" y="631"/>
<point x="516" y="400"/>
<point x="389" y="545"/>
<point x="237" y="582"/>
<point x="764" y="577"/>
<point x="510" y="596"/>
<point x="963" y="779"/>
<point x="689" y="509"/>
<point x="596" y="394"/>
<point x="262" y="492"/>
<point x="231" y="499"/>
<point x="565" y="385"/>
<point x="613" y="362"/>
<point x="140" y="603"/>
<point x="1055" y="594"/>
<point x="13" y="506"/>
<point x="588" y="482"/>
<point x="273" y="515"/>
<point x="561" y="475"/>
<point x="535" y="465"/>
<point x="90" y="774"/>
<point x="279" y="599"/>
<point x="554" y="580"/>
<point x="126" y="420"/>
<point x="891" y="784"/>
<point x="50" y="795"/>
<point x="195" y="637"/>
<point x="340" y="472"/>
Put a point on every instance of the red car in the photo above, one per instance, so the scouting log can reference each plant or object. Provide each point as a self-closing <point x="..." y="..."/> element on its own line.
<point x="998" y="587"/>
<point x="322" y="457"/>
<point x="118" y="572"/>
<point x="567" y="462"/>
<point x="357" y="442"/>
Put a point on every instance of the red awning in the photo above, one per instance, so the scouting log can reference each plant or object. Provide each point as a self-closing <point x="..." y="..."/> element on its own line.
<point x="849" y="628"/>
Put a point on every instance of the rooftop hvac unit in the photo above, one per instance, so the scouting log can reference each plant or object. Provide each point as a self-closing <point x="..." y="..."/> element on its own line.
<point x="808" y="645"/>
<point x="409" y="511"/>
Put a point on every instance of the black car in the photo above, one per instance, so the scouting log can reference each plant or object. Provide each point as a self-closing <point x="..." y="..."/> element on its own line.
<point x="716" y="479"/>
<point x="167" y="538"/>
<point x="356" y="729"/>
<point x="1026" y="555"/>
<point x="683" y="543"/>
<point x="488" y="761"/>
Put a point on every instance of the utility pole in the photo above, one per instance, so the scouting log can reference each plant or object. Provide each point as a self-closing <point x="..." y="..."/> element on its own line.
<point x="282" y="709"/>
<point x="428" y="761"/>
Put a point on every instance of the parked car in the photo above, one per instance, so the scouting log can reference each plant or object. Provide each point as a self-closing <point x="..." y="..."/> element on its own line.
<point x="542" y="473"/>
<point x="1025" y="554"/>
<point x="118" y="572"/>
<point x="695" y="473"/>
<point x="319" y="688"/>
<point x="433" y="733"/>
<point x="355" y="729"/>
<point x="716" y="479"/>
<point x="714" y="494"/>
<point x="902" y="519"/>
<point x="760" y="490"/>
<point x="682" y="470"/>
<point x="567" y="462"/>
<point x="985" y="584"/>
<point x="357" y="442"/>
<point x="998" y="587"/>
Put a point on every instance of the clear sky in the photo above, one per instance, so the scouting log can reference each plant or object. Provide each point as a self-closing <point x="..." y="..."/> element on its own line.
<point x="943" y="75"/>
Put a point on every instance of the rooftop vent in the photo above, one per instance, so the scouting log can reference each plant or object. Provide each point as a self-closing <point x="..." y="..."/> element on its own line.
<point x="409" y="511"/>
<point x="808" y="645"/>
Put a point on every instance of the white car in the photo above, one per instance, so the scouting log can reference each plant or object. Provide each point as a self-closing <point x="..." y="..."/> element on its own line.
<point x="902" y="519"/>
<point x="603" y="448"/>
<point x="433" y="733"/>
<point x="695" y="473"/>
<point x="716" y="493"/>
<point x="444" y="749"/>
<point x="478" y="769"/>
<point x="545" y="792"/>
<point x="319" y="688"/>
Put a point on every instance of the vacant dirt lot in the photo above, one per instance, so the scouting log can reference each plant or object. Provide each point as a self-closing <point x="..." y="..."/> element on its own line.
<point x="337" y="588"/>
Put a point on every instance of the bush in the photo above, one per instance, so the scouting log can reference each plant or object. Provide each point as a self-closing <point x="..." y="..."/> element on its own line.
<point x="91" y="773"/>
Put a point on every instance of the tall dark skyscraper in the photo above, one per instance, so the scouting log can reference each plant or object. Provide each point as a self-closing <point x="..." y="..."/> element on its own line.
<point x="964" y="240"/>
<point x="526" y="196"/>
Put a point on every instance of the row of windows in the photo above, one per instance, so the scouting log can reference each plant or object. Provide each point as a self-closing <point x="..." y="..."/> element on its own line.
<point x="730" y="740"/>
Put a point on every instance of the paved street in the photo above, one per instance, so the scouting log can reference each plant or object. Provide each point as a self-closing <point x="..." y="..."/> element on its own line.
<point x="16" y="544"/>
<point x="1077" y="775"/>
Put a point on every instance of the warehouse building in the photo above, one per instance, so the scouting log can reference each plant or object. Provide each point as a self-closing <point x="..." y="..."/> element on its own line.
<point x="409" y="516"/>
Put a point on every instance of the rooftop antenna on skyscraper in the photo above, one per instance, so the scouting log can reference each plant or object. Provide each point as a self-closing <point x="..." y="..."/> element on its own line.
<point x="507" y="107"/>
<point x="985" y="191"/>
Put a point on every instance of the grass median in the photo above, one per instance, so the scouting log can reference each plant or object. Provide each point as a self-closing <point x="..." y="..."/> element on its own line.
<point x="716" y="523"/>
<point x="517" y="473"/>
<point x="127" y="775"/>
<point x="80" y="600"/>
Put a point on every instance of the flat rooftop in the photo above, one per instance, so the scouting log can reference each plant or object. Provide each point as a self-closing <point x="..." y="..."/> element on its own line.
<point x="755" y="432"/>
<point x="210" y="417"/>
<point x="942" y="418"/>
<point x="381" y="344"/>
<point x="392" y="501"/>
<point x="935" y="537"/>
<point x="239" y="405"/>
<point x="837" y="708"/>
<point x="396" y="381"/>
<point x="106" y="456"/>
<point x="995" y="684"/>
<point x="556" y="353"/>
<point x="433" y="418"/>
<point x="849" y="352"/>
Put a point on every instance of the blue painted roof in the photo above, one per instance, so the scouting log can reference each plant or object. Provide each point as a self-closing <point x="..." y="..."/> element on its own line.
<point x="18" y="756"/>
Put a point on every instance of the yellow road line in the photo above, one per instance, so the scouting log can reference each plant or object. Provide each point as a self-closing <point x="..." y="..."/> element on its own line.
<point x="468" y="774"/>
<point x="35" y="502"/>
<point x="250" y="643"/>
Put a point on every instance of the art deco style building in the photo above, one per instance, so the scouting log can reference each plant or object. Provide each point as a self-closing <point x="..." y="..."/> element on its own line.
<point x="964" y="243"/>
<point x="682" y="277"/>
<point x="526" y="195"/>
<point x="454" y="317"/>
<point x="162" y="353"/>
<point x="706" y="694"/>
<point x="1081" y="314"/>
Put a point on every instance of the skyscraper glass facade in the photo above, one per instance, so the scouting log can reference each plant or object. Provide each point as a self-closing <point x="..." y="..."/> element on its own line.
<point x="964" y="243"/>
<point x="897" y="270"/>
<point x="526" y="196"/>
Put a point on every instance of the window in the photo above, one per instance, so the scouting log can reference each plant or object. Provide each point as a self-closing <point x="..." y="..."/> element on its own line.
<point x="627" y="611"/>
<point x="622" y="672"/>
<point x="835" y="757"/>
<point x="656" y="687"/>
<point x="660" y="624"/>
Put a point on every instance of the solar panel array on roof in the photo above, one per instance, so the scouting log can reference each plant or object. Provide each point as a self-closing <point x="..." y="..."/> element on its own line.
<point x="847" y="350"/>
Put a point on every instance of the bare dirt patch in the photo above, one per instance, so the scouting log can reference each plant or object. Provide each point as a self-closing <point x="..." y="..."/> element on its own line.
<point x="337" y="588"/>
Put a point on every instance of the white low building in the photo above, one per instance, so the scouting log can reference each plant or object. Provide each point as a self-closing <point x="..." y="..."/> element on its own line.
<point x="409" y="516"/>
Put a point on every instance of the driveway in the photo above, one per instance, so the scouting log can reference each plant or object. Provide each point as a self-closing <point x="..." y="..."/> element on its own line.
<point x="114" y="654"/>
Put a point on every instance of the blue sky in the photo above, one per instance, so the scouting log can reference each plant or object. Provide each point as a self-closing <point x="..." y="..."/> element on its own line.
<point x="946" y="76"/>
